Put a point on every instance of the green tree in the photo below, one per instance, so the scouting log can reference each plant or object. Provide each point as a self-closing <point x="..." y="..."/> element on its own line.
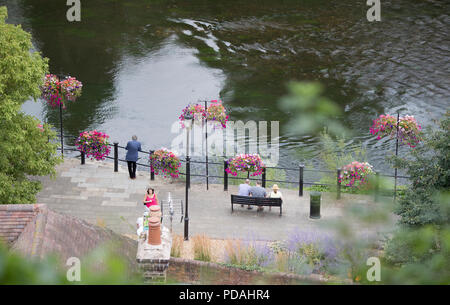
<point x="429" y="169"/>
<point x="26" y="150"/>
<point x="421" y="246"/>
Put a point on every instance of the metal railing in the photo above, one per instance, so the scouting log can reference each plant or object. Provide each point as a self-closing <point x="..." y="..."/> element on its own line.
<point x="300" y="183"/>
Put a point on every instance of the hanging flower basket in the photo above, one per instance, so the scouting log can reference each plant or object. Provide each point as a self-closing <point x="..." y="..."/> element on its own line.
<point x="94" y="144"/>
<point x="71" y="88"/>
<point x="216" y="112"/>
<point x="166" y="163"/>
<point x="409" y="131"/>
<point x="251" y="163"/>
<point x="51" y="90"/>
<point x="197" y="111"/>
<point x="383" y="126"/>
<point x="356" y="174"/>
<point x="56" y="92"/>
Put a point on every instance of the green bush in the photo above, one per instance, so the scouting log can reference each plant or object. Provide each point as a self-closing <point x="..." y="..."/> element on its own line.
<point x="410" y="246"/>
<point x="277" y="174"/>
<point x="429" y="169"/>
<point x="418" y="256"/>
<point x="102" y="266"/>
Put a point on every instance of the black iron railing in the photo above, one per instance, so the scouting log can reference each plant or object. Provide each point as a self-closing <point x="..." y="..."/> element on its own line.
<point x="300" y="183"/>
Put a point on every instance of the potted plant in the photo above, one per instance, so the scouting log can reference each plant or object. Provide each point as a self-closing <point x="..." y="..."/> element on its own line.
<point x="251" y="163"/>
<point x="93" y="144"/>
<point x="356" y="175"/>
<point x="166" y="163"/>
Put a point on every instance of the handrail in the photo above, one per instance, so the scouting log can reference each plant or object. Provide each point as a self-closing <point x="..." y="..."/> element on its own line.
<point x="300" y="167"/>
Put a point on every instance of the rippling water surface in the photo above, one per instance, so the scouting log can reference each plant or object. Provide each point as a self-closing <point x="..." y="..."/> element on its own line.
<point x="142" y="61"/>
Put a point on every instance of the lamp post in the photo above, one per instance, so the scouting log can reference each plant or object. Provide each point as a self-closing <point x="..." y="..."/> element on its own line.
<point x="69" y="92"/>
<point x="396" y="155"/>
<point x="61" y="77"/>
<point x="206" y="145"/>
<point x="61" y="129"/>
<point x="190" y="120"/>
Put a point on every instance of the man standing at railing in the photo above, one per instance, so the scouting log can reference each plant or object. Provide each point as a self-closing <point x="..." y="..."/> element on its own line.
<point x="133" y="147"/>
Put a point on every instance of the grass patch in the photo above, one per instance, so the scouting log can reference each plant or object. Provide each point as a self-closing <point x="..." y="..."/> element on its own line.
<point x="177" y="246"/>
<point x="202" y="248"/>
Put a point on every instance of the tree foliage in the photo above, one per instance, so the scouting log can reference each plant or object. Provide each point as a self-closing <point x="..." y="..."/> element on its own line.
<point x="312" y="111"/>
<point x="26" y="150"/>
<point x="102" y="266"/>
<point x="421" y="247"/>
<point x="429" y="169"/>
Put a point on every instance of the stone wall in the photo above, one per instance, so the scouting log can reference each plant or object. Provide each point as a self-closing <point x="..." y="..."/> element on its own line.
<point x="197" y="272"/>
<point x="153" y="260"/>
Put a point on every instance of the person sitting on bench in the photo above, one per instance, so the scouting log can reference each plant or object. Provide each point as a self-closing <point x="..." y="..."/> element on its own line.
<point x="258" y="191"/>
<point x="244" y="190"/>
<point x="275" y="193"/>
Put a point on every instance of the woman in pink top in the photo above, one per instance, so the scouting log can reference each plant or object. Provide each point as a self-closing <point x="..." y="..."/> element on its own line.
<point x="150" y="198"/>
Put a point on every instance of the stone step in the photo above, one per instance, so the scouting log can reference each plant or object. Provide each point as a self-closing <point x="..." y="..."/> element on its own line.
<point x="119" y="203"/>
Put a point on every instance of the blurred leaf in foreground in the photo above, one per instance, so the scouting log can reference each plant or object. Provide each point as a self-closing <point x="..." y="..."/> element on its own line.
<point x="312" y="111"/>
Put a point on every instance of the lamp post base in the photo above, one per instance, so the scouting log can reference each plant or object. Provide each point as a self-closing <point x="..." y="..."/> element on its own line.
<point x="186" y="228"/>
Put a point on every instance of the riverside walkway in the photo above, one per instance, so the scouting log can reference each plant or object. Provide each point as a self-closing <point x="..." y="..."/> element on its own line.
<point x="97" y="194"/>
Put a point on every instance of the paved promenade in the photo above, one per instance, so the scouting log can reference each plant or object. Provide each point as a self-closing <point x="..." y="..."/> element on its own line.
<point x="95" y="193"/>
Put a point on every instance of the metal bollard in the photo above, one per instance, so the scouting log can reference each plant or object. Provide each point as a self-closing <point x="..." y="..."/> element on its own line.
<point x="338" y="191"/>
<point x="225" y="175"/>
<point x="300" y="181"/>
<point x="152" y="173"/>
<point x="264" y="177"/>
<point x="116" y="157"/>
<point x="314" y="205"/>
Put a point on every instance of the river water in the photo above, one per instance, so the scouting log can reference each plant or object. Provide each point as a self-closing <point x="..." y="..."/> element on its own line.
<point x="142" y="61"/>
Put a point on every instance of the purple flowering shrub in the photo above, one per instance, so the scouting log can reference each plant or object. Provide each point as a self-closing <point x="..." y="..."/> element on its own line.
<point x="259" y="254"/>
<point x="319" y="249"/>
<point x="304" y="252"/>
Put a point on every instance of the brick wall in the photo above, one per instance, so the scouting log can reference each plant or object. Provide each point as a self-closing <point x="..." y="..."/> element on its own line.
<point x="196" y="272"/>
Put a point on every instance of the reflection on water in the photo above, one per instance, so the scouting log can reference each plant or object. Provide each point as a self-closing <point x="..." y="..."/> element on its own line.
<point x="141" y="62"/>
<point x="154" y="89"/>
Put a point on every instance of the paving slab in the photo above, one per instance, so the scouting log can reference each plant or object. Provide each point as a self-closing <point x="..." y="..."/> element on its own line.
<point x="96" y="193"/>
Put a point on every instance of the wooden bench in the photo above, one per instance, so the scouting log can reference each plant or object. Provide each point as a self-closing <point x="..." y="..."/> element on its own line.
<point x="258" y="201"/>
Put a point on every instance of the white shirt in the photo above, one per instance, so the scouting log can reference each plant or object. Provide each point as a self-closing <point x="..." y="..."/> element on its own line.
<point x="140" y="225"/>
<point x="275" y="195"/>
